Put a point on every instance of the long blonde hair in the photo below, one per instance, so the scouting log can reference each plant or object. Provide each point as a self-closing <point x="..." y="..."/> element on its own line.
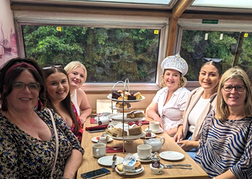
<point x="74" y="64"/>
<point x="222" y="111"/>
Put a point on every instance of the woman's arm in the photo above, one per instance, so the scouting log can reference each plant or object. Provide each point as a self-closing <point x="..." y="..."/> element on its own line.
<point x="152" y="112"/>
<point x="85" y="108"/>
<point x="227" y="175"/>
<point x="72" y="164"/>
<point x="187" y="145"/>
<point x="178" y="136"/>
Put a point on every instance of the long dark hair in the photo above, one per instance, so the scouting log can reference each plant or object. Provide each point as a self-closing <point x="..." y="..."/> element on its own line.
<point x="67" y="101"/>
<point x="11" y="70"/>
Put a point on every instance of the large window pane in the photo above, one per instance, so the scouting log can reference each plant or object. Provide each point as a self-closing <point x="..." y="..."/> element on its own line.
<point x="197" y="45"/>
<point x="109" y="54"/>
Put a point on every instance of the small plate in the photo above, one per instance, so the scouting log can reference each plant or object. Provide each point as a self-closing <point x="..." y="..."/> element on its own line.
<point x="107" y="160"/>
<point x="140" y="170"/>
<point x="171" y="155"/>
<point x="160" y="130"/>
<point x="141" y="160"/>
<point x="152" y="136"/>
<point x="94" y="139"/>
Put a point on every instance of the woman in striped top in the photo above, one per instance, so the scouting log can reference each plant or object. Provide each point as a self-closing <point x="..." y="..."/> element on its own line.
<point x="226" y="142"/>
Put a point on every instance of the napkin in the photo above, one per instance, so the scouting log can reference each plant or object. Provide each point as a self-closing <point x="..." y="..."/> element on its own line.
<point x="137" y="122"/>
<point x="114" y="149"/>
<point x="96" y="127"/>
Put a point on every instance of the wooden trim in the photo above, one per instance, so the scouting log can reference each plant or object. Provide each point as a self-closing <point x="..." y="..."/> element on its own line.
<point x="90" y="10"/>
<point x="177" y="11"/>
<point x="216" y="15"/>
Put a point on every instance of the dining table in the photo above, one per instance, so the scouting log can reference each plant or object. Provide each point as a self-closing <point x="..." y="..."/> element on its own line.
<point x="90" y="163"/>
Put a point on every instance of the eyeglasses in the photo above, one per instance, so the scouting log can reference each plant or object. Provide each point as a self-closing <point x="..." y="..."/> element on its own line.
<point x="237" y="88"/>
<point x="53" y="66"/>
<point x="216" y="60"/>
<point x="21" y="85"/>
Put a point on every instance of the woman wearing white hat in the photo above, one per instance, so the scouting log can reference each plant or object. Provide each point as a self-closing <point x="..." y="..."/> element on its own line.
<point x="168" y="105"/>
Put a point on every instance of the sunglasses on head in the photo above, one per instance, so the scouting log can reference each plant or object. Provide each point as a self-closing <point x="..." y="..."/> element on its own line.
<point x="52" y="66"/>
<point x="217" y="60"/>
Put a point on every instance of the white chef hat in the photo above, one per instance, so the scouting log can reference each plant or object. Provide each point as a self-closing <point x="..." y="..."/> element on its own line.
<point x="175" y="62"/>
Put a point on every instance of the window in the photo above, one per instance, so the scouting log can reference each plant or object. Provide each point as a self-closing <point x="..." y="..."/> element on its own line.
<point x="199" y="44"/>
<point x="109" y="54"/>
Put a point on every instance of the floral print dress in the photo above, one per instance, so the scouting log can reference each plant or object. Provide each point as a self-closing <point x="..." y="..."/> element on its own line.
<point x="22" y="156"/>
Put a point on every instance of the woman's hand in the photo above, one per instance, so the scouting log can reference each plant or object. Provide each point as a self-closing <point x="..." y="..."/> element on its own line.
<point x="179" y="135"/>
<point x="187" y="145"/>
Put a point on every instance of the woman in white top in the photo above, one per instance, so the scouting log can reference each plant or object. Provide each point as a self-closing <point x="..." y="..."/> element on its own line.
<point x="169" y="103"/>
<point x="199" y="104"/>
<point x="77" y="75"/>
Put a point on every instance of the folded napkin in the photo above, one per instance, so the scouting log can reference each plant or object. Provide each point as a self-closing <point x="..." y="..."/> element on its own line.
<point x="114" y="149"/>
<point x="137" y="122"/>
<point x="92" y="120"/>
<point x="94" y="128"/>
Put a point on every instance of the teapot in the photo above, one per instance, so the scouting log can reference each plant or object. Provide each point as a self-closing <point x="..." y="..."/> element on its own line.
<point x="155" y="143"/>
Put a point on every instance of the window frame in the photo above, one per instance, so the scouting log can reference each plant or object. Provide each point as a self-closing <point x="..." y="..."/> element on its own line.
<point x="102" y="21"/>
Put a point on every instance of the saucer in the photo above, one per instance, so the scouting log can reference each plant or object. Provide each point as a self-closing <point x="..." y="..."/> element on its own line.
<point x="160" y="130"/>
<point x="141" y="160"/>
<point x="152" y="136"/>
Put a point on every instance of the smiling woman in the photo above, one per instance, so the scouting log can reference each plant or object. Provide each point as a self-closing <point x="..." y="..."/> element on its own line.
<point x="27" y="130"/>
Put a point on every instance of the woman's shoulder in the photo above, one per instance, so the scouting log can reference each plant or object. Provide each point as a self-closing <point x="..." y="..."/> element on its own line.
<point x="183" y="90"/>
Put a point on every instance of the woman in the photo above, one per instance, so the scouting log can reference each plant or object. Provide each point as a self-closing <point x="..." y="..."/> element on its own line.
<point x="58" y="98"/>
<point x="201" y="99"/>
<point x="169" y="103"/>
<point x="226" y="142"/>
<point x="27" y="146"/>
<point x="77" y="75"/>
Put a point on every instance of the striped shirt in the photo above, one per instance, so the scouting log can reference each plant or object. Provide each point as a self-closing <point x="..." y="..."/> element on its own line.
<point x="226" y="145"/>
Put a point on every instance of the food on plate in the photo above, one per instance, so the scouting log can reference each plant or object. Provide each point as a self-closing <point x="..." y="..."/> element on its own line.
<point x="123" y="105"/>
<point x="126" y="95"/>
<point x="135" y="114"/>
<point x="137" y="130"/>
<point x="137" y="166"/>
<point x="116" y="132"/>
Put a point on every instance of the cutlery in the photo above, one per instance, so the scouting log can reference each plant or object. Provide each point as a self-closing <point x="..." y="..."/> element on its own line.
<point x="114" y="161"/>
<point x="114" y="148"/>
<point x="181" y="166"/>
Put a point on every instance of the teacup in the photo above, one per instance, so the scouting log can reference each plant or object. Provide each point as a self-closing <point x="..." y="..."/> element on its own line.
<point x="144" y="151"/>
<point x="154" y="126"/>
<point x="156" y="171"/>
<point x="99" y="150"/>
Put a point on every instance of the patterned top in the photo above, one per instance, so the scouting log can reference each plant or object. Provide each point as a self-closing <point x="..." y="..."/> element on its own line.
<point x="79" y="133"/>
<point x="226" y="145"/>
<point x="22" y="156"/>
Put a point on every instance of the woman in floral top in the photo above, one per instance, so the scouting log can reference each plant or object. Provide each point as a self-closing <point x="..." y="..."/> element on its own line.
<point x="27" y="138"/>
<point x="58" y="98"/>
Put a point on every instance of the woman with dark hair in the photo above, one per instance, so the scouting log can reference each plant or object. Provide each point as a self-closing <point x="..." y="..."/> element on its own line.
<point x="27" y="133"/>
<point x="58" y="98"/>
<point x="199" y="104"/>
<point x="226" y="142"/>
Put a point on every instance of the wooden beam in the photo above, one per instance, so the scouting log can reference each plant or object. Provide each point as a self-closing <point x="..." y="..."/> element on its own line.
<point x="89" y="10"/>
<point x="177" y="11"/>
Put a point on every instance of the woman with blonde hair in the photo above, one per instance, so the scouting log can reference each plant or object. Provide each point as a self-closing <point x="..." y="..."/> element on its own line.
<point x="226" y="142"/>
<point x="169" y="103"/>
<point x="77" y="75"/>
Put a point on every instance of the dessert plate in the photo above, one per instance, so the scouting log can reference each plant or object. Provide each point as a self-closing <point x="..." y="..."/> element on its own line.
<point x="152" y="136"/>
<point x="171" y="155"/>
<point x="110" y="97"/>
<point x="107" y="160"/>
<point x="94" y="139"/>
<point x="140" y="170"/>
<point x="141" y="160"/>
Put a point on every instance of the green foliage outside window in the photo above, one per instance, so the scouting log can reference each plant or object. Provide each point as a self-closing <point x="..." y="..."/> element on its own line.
<point x="109" y="54"/>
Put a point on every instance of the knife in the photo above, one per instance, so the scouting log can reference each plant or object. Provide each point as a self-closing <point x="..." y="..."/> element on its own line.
<point x="114" y="161"/>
